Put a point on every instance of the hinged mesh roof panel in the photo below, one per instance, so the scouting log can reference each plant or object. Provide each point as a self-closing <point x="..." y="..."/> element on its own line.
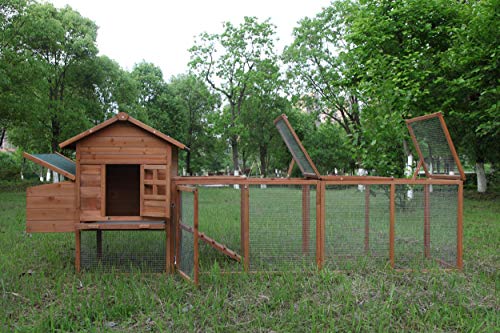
<point x="55" y="162"/>
<point x="295" y="147"/>
<point x="434" y="146"/>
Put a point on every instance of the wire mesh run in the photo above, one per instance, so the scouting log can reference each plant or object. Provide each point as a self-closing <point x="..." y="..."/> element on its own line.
<point x="282" y="227"/>
<point x="220" y="220"/>
<point x="443" y="224"/>
<point x="123" y="251"/>
<point x="434" y="146"/>
<point x="356" y="225"/>
<point x="426" y="226"/>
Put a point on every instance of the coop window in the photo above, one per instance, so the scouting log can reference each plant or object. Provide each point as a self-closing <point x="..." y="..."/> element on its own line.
<point x="123" y="190"/>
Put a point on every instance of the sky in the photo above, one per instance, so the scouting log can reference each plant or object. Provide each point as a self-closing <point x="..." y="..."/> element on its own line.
<point x="162" y="31"/>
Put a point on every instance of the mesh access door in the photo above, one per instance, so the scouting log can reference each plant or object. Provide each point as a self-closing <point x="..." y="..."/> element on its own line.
<point x="187" y="234"/>
<point x="434" y="146"/>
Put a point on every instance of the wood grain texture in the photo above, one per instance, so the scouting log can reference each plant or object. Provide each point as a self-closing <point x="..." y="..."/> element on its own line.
<point x="51" y="208"/>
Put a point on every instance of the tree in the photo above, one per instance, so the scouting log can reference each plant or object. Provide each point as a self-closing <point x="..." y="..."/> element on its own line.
<point x="157" y="102"/>
<point x="374" y="63"/>
<point x="13" y="80"/>
<point x="319" y="69"/>
<point x="473" y="94"/>
<point x="196" y="102"/>
<point x="228" y="61"/>
<point x="58" y="39"/>
<point x="263" y="104"/>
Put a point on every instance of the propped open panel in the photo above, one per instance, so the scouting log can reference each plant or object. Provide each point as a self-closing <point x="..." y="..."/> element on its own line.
<point x="51" y="208"/>
<point x="434" y="146"/>
<point x="55" y="162"/>
<point x="295" y="147"/>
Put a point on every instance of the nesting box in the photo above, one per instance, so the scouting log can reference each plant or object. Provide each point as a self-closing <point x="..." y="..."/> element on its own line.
<point x="121" y="180"/>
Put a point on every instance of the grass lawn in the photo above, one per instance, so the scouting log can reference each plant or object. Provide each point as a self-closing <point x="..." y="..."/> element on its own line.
<point x="39" y="290"/>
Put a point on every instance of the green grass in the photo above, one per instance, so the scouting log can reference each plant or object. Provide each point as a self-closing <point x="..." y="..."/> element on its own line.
<point x="40" y="292"/>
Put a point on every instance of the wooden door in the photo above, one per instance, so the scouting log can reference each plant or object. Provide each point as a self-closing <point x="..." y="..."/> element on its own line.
<point x="155" y="191"/>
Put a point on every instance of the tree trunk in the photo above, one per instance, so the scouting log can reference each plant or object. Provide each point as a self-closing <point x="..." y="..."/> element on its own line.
<point x="263" y="160"/>
<point x="481" y="177"/>
<point x="234" y="148"/>
<point x="188" y="163"/>
<point x="2" y="136"/>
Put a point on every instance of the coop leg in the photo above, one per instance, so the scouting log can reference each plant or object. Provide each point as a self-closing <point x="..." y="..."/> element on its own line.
<point x="77" y="250"/>
<point x="99" y="244"/>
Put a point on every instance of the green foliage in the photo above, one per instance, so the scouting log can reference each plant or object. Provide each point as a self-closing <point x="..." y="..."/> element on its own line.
<point x="195" y="102"/>
<point x="10" y="168"/>
<point x="229" y="62"/>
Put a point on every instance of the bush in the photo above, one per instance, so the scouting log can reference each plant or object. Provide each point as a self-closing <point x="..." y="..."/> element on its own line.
<point x="10" y="168"/>
<point x="17" y="185"/>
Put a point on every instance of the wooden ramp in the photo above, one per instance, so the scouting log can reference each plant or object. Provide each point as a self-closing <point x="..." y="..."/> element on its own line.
<point x="220" y="247"/>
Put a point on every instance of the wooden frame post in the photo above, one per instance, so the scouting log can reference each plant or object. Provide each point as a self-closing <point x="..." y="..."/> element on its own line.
<point x="78" y="249"/>
<point x="427" y="222"/>
<point x="392" y="218"/>
<point x="460" y="212"/>
<point x="245" y="226"/>
<point x="367" y="219"/>
<point x="306" y="218"/>
<point x="320" y="224"/>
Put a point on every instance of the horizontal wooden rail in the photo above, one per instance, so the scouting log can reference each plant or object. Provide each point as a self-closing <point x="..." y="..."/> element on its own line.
<point x="121" y="226"/>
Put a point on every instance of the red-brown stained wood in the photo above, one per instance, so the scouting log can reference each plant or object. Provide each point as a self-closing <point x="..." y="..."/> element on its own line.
<point x="58" y="189"/>
<point x="124" y="142"/>
<point x="48" y="201"/>
<point x="51" y="208"/>
<point x="460" y="212"/>
<point x="90" y="180"/>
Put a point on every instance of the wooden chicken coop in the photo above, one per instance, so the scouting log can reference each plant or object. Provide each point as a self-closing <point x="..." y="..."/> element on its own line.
<point x="125" y="180"/>
<point x="119" y="181"/>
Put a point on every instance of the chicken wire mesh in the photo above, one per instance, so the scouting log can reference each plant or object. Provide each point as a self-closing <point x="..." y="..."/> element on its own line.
<point x="220" y="220"/>
<point x="434" y="146"/>
<point x="185" y="258"/>
<point x="123" y="251"/>
<point x="443" y="224"/>
<point x="412" y="238"/>
<point x="356" y="225"/>
<point x="282" y="223"/>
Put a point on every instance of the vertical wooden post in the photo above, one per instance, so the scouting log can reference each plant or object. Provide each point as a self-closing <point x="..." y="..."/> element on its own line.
<point x="427" y="222"/>
<point x="195" y="237"/>
<point x="306" y="218"/>
<point x="392" y="218"/>
<point x="99" y="244"/>
<point x="245" y="225"/>
<point x="322" y="215"/>
<point x="367" y="219"/>
<point x="171" y="223"/>
<point x="77" y="250"/>
<point x="460" y="212"/>
<point x="318" y="225"/>
<point x="242" y="219"/>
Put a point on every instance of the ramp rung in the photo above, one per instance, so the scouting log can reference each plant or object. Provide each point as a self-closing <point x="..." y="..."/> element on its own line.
<point x="220" y="247"/>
